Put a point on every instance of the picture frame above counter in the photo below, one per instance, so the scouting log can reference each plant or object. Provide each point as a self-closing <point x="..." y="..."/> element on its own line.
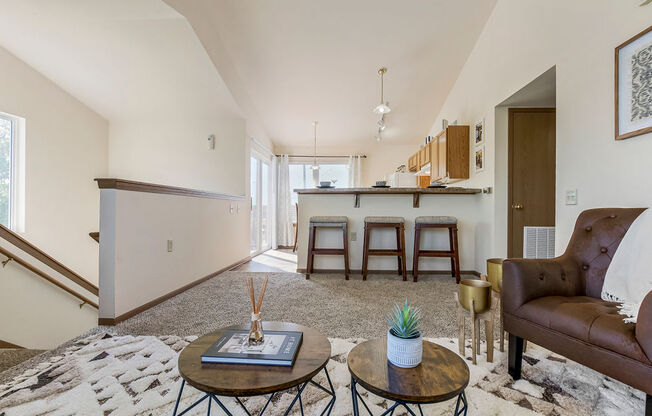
<point x="447" y="153"/>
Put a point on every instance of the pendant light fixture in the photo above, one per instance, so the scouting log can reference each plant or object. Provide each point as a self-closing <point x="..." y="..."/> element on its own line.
<point x="382" y="108"/>
<point x="315" y="166"/>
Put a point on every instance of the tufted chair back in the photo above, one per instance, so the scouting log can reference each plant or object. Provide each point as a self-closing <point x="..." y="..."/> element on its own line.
<point x="597" y="235"/>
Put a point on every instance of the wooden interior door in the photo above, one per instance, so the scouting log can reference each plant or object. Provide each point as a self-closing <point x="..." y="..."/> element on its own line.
<point x="531" y="193"/>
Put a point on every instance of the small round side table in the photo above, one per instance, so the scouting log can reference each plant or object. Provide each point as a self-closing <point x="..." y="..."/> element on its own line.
<point x="442" y="375"/>
<point x="240" y="380"/>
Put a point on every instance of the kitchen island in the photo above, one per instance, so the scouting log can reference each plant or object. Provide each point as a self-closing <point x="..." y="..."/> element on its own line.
<point x="469" y="205"/>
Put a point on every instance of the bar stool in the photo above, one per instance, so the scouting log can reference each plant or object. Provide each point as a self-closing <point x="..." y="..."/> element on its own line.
<point x="328" y="222"/>
<point x="421" y="223"/>
<point x="397" y="223"/>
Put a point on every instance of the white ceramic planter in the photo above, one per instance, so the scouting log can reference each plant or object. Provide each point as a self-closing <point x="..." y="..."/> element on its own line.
<point x="404" y="353"/>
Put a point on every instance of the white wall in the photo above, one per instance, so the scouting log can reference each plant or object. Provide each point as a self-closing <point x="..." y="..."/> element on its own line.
<point x="521" y="40"/>
<point x="174" y="151"/>
<point x="382" y="159"/>
<point x="134" y="262"/>
<point x="66" y="148"/>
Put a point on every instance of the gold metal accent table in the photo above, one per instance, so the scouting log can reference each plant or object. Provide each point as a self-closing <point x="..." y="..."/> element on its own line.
<point x="495" y="277"/>
<point x="474" y="301"/>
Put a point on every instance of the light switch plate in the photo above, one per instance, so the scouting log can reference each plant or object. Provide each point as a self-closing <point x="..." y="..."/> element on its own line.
<point x="354" y="236"/>
<point x="571" y="197"/>
<point x="231" y="209"/>
<point x="169" y="246"/>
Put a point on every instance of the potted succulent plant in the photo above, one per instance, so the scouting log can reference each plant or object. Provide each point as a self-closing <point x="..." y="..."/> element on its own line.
<point x="404" y="340"/>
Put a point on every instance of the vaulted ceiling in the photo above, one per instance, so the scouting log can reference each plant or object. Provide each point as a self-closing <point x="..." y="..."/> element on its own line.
<point x="297" y="61"/>
<point x="281" y="63"/>
<point x="125" y="59"/>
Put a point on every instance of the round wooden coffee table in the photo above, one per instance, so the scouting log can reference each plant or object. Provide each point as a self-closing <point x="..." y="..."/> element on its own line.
<point x="239" y="380"/>
<point x="442" y="375"/>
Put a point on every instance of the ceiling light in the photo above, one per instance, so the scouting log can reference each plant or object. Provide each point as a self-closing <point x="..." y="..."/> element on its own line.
<point x="315" y="166"/>
<point x="381" y="123"/>
<point x="382" y="108"/>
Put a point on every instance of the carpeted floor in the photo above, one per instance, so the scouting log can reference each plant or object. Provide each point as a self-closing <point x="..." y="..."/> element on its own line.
<point x="127" y="375"/>
<point x="336" y="307"/>
<point x="133" y="366"/>
<point x="10" y="357"/>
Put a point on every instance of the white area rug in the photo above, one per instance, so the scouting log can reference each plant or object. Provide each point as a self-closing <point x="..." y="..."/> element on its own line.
<point x="137" y="375"/>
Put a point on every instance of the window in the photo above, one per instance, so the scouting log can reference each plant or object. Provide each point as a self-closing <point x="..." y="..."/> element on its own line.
<point x="8" y="129"/>
<point x="301" y="176"/>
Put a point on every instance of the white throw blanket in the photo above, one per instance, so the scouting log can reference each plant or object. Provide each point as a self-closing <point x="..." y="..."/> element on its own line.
<point x="629" y="276"/>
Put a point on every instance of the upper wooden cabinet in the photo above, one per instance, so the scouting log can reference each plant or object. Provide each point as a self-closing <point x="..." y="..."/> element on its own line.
<point x="447" y="153"/>
<point x="452" y="157"/>
<point x="413" y="163"/>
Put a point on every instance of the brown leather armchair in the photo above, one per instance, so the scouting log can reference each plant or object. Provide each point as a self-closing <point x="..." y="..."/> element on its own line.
<point x="556" y="304"/>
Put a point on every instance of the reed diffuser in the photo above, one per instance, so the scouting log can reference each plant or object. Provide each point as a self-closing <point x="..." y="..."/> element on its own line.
<point x="256" y="336"/>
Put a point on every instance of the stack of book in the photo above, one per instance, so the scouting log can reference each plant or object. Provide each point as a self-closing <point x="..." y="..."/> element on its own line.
<point x="279" y="348"/>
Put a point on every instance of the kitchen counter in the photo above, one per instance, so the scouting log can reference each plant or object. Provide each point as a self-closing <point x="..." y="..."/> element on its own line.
<point x="468" y="205"/>
<point x="415" y="192"/>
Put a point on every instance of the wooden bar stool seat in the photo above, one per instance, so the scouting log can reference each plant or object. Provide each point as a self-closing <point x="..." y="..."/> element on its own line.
<point x="340" y="222"/>
<point x="436" y="222"/>
<point x="397" y="223"/>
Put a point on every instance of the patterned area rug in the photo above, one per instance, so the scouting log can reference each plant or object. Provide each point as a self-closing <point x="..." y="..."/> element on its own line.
<point x="137" y="375"/>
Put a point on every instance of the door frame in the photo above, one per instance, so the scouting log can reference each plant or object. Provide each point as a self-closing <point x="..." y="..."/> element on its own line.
<point x="259" y="198"/>
<point x="510" y="163"/>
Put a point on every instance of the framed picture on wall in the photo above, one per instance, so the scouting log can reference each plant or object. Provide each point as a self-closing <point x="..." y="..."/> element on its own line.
<point x="633" y="93"/>
<point x="479" y="159"/>
<point x="479" y="133"/>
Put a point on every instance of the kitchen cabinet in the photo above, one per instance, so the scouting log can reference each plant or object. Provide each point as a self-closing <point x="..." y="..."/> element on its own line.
<point x="452" y="157"/>
<point x="413" y="163"/>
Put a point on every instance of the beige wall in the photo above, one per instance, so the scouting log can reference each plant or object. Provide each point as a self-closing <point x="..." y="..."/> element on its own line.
<point x="174" y="151"/>
<point x="134" y="262"/>
<point x="382" y="159"/>
<point x="521" y="40"/>
<point x="65" y="149"/>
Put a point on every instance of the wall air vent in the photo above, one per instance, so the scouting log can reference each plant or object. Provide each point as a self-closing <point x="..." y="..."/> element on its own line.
<point x="538" y="242"/>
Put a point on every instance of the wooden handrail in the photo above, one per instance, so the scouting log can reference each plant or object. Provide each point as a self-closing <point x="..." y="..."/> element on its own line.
<point x="12" y="257"/>
<point x="128" y="185"/>
<point x="44" y="258"/>
<point x="95" y="236"/>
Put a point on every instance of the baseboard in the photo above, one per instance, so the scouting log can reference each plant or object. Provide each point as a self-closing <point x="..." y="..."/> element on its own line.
<point x="421" y="272"/>
<point x="136" y="311"/>
<point x="9" y="345"/>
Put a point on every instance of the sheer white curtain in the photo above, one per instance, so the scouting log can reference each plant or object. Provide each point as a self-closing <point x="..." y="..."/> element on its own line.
<point x="355" y="171"/>
<point x="284" y="208"/>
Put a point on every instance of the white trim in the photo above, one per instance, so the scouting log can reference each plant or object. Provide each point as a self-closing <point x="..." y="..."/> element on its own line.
<point x="16" y="173"/>
<point x="261" y="146"/>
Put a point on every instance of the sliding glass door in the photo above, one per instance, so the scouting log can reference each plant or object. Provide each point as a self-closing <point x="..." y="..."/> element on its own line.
<point x="261" y="210"/>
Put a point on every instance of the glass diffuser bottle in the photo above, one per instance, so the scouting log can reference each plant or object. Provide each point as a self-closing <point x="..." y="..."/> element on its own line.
<point x="256" y="335"/>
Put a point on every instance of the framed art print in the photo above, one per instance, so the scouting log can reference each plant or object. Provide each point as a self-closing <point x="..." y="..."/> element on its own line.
<point x="479" y="133"/>
<point x="633" y="92"/>
<point x="479" y="159"/>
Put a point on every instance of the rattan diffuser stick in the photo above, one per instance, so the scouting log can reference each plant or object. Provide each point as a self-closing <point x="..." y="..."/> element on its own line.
<point x="256" y="336"/>
<point x="250" y="289"/>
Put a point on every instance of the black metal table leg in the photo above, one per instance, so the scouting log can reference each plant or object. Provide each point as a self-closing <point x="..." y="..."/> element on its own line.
<point x="327" y="410"/>
<point x="355" y="396"/>
<point x="461" y="399"/>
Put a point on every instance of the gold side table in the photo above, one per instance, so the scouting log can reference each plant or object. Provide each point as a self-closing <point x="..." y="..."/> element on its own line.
<point x="495" y="277"/>
<point x="474" y="301"/>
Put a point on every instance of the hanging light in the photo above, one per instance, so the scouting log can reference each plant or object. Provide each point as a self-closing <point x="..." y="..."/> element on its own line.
<point x="315" y="166"/>
<point x="381" y="123"/>
<point x="383" y="107"/>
